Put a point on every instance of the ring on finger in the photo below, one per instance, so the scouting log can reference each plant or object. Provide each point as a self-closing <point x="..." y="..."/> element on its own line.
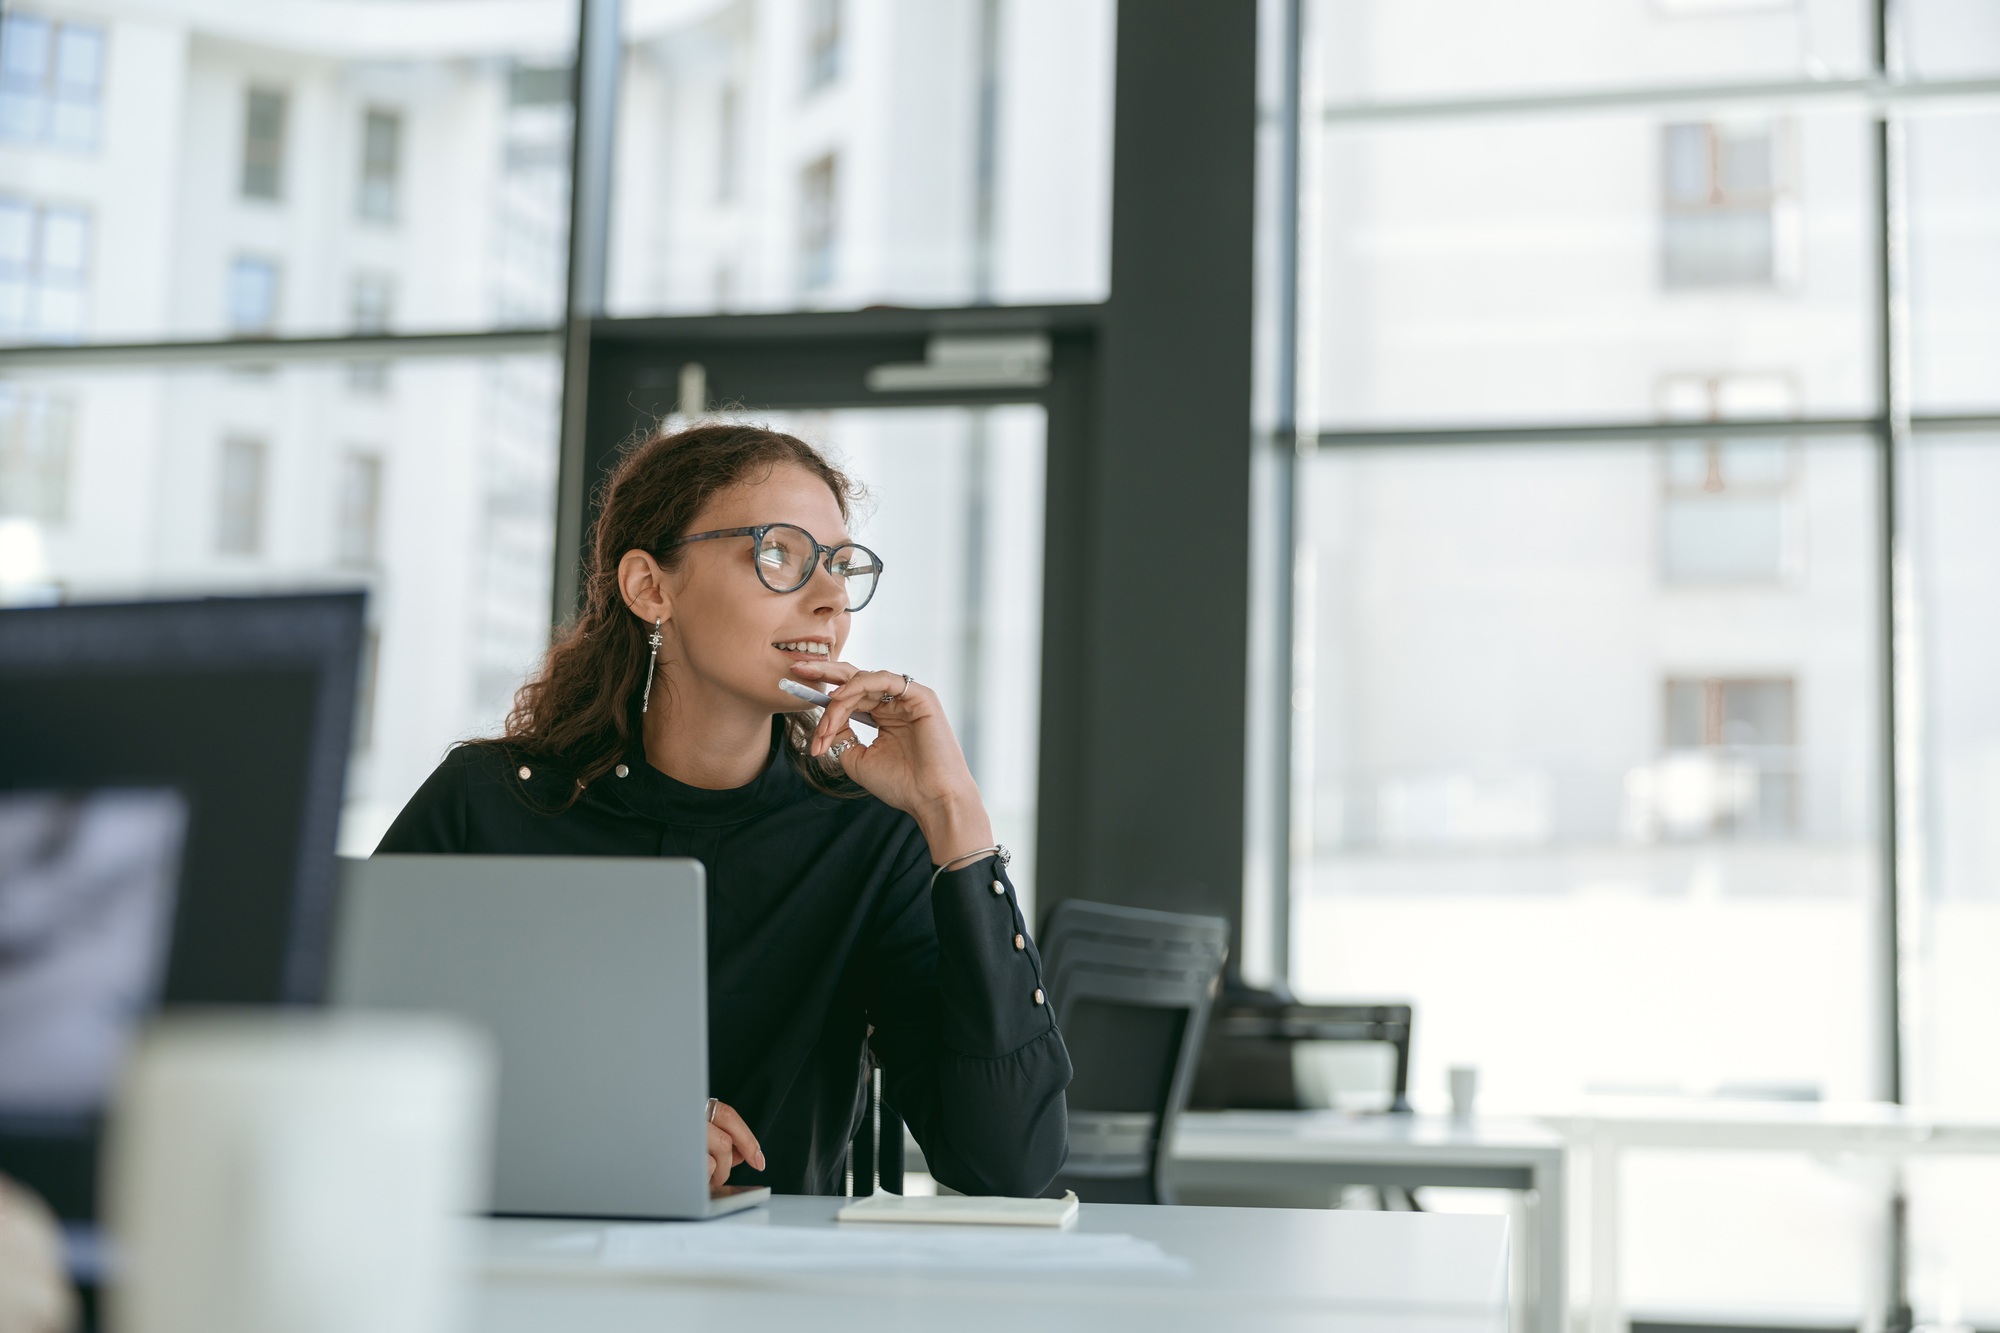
<point x="841" y="746"/>
<point x="889" y="698"/>
<point x="713" y="1102"/>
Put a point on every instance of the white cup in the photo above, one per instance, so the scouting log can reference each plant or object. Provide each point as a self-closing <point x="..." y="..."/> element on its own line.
<point x="296" y="1173"/>
<point x="1464" y="1090"/>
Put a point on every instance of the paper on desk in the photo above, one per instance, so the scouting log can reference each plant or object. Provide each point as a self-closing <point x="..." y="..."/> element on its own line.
<point x="693" y="1247"/>
<point x="961" y="1210"/>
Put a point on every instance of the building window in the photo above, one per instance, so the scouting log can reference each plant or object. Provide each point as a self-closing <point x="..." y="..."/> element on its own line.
<point x="1728" y="215"/>
<point x="822" y="43"/>
<point x="372" y="300"/>
<point x="1727" y="511"/>
<point x="816" y="224"/>
<point x="728" y="144"/>
<point x="358" y="531"/>
<point x="51" y="81"/>
<point x="538" y="85"/>
<point x="263" y="144"/>
<point x="371" y="305"/>
<point x="1728" y="507"/>
<point x="1730" y="765"/>
<point x="37" y="432"/>
<point x="239" y="528"/>
<point x="253" y="296"/>
<point x="44" y="270"/>
<point x="381" y="163"/>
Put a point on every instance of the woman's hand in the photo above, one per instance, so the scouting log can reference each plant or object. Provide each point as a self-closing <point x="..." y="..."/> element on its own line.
<point x="914" y="763"/>
<point x="729" y="1142"/>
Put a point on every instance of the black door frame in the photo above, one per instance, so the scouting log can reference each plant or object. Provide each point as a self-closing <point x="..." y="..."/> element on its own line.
<point x="781" y="362"/>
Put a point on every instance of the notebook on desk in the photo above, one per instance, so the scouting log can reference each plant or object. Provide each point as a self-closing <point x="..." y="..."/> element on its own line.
<point x="964" y="1209"/>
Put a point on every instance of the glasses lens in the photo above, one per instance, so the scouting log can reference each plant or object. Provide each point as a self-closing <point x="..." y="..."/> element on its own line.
<point x="784" y="558"/>
<point x="858" y="568"/>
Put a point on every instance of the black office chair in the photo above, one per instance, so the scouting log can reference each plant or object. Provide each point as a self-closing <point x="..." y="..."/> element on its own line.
<point x="1131" y="990"/>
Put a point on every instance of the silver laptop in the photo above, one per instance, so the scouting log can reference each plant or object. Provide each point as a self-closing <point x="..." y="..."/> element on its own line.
<point x="591" y="975"/>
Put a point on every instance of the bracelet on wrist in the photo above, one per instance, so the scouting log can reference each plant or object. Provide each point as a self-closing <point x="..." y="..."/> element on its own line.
<point x="970" y="858"/>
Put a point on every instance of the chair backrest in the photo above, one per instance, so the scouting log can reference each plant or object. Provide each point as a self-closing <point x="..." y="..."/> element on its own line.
<point x="1131" y="989"/>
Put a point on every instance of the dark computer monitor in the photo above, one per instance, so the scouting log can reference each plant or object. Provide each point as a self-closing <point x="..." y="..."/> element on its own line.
<point x="170" y="784"/>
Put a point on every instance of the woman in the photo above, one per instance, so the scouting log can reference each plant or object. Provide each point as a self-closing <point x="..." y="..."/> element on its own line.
<point x="855" y="892"/>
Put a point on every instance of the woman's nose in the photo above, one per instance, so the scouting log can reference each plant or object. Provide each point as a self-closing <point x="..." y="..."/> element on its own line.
<point x="828" y="593"/>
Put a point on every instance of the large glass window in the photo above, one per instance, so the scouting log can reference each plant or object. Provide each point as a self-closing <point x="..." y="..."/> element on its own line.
<point x="1611" y="827"/>
<point x="1384" y="50"/>
<point x="820" y="154"/>
<point x="1950" y="38"/>
<point x="1587" y="267"/>
<point x="1589" y="624"/>
<point x="438" y="498"/>
<point x="1955" y="932"/>
<point x="1529" y="751"/>
<point x="296" y="134"/>
<point x="1954" y="213"/>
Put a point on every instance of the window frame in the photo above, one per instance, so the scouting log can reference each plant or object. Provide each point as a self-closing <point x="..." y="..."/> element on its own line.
<point x="50" y="93"/>
<point x="34" y="274"/>
<point x="378" y="194"/>
<point x="240" y="509"/>
<point x="242" y="264"/>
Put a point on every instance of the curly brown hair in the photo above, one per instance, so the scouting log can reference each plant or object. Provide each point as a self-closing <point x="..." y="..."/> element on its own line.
<point x="582" y="708"/>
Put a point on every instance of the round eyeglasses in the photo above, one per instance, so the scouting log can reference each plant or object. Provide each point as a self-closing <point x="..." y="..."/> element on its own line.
<point x="787" y="556"/>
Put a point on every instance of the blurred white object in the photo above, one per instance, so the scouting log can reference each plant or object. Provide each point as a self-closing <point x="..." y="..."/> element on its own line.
<point x="295" y="1173"/>
<point x="35" y="1296"/>
<point x="1355" y="1076"/>
<point x="24" y="564"/>
<point x="1690" y="794"/>
<point x="1464" y="1090"/>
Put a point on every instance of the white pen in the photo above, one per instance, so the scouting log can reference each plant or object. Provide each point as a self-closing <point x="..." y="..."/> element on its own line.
<point x="813" y="696"/>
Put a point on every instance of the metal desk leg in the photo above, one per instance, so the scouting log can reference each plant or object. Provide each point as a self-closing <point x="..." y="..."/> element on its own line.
<point x="1606" y="1312"/>
<point x="1551" y="1207"/>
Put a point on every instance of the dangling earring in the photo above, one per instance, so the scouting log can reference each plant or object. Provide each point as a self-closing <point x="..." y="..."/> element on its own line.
<point x="652" y="665"/>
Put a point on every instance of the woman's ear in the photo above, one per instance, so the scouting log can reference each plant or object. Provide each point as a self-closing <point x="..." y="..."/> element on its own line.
<point x="643" y="585"/>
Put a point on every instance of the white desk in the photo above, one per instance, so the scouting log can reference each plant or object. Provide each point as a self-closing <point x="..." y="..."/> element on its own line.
<point x="1278" y="1269"/>
<point x="1608" y="1128"/>
<point x="1287" y="1153"/>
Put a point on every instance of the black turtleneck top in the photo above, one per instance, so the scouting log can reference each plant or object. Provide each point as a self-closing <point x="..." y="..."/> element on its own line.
<point x="825" y="937"/>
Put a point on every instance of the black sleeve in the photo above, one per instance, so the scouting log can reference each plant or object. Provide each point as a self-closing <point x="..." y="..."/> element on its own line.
<point x="970" y="1053"/>
<point x="434" y="818"/>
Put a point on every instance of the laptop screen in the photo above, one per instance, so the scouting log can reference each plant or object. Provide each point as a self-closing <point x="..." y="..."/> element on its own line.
<point x="87" y="887"/>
